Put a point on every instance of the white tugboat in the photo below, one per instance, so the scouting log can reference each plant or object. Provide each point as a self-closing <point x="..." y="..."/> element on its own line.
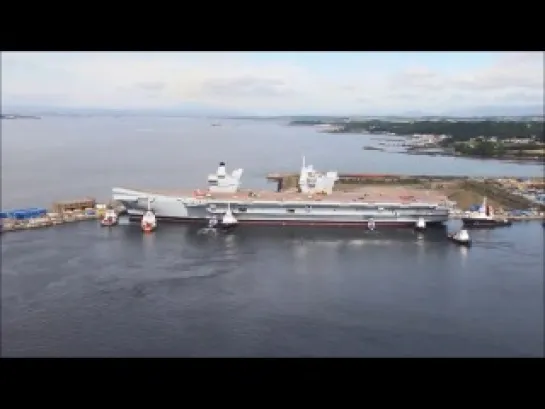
<point x="149" y="221"/>
<point x="420" y="224"/>
<point x="461" y="237"/>
<point x="228" y="221"/>
<point x="109" y="219"/>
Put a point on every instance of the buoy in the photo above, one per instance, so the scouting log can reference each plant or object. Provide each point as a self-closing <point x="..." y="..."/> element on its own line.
<point x="371" y="224"/>
<point x="420" y="224"/>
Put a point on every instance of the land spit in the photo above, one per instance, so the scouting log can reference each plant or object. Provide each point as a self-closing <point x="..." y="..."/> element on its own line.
<point x="504" y="194"/>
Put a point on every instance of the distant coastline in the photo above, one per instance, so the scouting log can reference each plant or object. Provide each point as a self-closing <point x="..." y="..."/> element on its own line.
<point x="17" y="116"/>
<point x="519" y="139"/>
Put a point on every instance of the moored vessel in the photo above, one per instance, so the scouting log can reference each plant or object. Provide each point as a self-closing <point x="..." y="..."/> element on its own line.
<point x="484" y="217"/>
<point x="314" y="202"/>
<point x="109" y="219"/>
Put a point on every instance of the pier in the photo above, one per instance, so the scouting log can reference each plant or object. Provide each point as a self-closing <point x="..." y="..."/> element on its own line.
<point x="507" y="192"/>
<point x="61" y="212"/>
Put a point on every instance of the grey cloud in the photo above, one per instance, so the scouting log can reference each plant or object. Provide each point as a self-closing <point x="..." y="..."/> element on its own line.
<point x="364" y="100"/>
<point x="422" y="79"/>
<point x="495" y="79"/>
<point x="523" y="97"/>
<point x="36" y="98"/>
<point x="530" y="57"/>
<point x="151" y="86"/>
<point x="148" y="90"/>
<point x="493" y="83"/>
<point x="11" y="61"/>
<point x="510" y="98"/>
<point x="408" y="96"/>
<point x="246" y="87"/>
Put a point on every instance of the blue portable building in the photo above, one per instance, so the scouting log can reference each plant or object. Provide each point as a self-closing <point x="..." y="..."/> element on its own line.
<point x="23" y="214"/>
<point x="37" y="211"/>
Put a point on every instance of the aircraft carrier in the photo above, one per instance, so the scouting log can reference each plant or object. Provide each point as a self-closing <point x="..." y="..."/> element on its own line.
<point x="314" y="202"/>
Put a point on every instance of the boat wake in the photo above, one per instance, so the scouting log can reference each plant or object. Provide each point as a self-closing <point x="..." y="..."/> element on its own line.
<point x="209" y="231"/>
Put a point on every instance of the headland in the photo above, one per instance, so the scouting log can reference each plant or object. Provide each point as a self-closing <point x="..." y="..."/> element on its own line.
<point x="507" y="139"/>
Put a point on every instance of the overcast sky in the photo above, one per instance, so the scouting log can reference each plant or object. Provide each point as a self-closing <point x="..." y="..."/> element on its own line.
<point x="274" y="83"/>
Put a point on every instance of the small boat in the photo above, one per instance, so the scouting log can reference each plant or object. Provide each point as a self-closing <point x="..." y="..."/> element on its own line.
<point x="228" y="221"/>
<point x="110" y="218"/>
<point x="420" y="224"/>
<point x="213" y="222"/>
<point x="149" y="221"/>
<point x="460" y="237"/>
<point x="211" y="228"/>
<point x="484" y="217"/>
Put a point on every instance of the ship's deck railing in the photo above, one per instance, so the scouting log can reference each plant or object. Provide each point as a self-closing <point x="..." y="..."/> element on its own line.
<point x="323" y="203"/>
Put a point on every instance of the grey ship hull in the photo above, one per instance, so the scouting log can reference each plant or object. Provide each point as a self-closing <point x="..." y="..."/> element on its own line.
<point x="268" y="213"/>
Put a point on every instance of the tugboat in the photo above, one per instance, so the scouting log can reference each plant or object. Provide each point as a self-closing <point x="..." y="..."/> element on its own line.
<point x="110" y="218"/>
<point x="228" y="220"/>
<point x="484" y="217"/>
<point x="211" y="228"/>
<point x="420" y="224"/>
<point x="461" y="237"/>
<point x="149" y="221"/>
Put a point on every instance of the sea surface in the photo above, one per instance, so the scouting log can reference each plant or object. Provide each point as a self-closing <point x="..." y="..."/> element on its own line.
<point x="84" y="290"/>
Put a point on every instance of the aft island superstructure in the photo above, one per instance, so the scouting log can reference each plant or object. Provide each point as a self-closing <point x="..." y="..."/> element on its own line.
<point x="314" y="202"/>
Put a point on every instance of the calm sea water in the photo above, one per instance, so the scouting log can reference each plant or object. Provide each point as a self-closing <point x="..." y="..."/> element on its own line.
<point x="83" y="290"/>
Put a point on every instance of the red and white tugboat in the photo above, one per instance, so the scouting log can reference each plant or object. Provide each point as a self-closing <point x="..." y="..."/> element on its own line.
<point x="149" y="221"/>
<point x="109" y="219"/>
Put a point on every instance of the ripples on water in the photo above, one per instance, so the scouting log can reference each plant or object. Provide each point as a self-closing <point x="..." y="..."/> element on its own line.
<point x="85" y="290"/>
<point x="88" y="156"/>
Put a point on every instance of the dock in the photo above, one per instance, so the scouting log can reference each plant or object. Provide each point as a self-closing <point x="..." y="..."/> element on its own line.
<point x="461" y="191"/>
<point x="504" y="193"/>
<point x="61" y="212"/>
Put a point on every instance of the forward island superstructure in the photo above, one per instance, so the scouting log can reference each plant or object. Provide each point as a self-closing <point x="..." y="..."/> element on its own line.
<point x="314" y="202"/>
